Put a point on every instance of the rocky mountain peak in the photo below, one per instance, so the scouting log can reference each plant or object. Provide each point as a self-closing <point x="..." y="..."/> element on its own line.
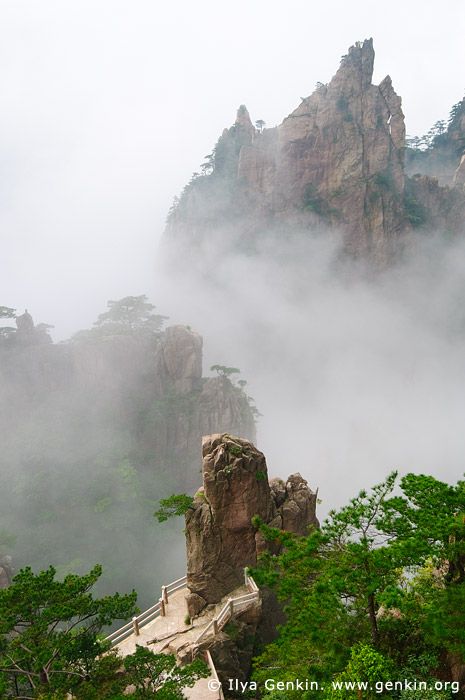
<point x="243" y="120"/>
<point x="337" y="162"/>
<point x="356" y="69"/>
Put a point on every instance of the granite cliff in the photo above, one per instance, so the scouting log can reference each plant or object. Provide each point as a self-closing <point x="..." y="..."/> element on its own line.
<point x="221" y="539"/>
<point x="94" y="432"/>
<point x="337" y="162"/>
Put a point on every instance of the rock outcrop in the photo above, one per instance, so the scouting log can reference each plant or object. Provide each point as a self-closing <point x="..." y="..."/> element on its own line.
<point x="27" y="334"/>
<point x="175" y="405"/>
<point x="25" y="322"/>
<point x="434" y="188"/>
<point x="96" y="431"/>
<point x="459" y="175"/>
<point x="336" y="161"/>
<point x="433" y="207"/>
<point x="6" y="571"/>
<point x="188" y="407"/>
<point x="220" y="537"/>
<point x="179" y="360"/>
<point x="340" y="155"/>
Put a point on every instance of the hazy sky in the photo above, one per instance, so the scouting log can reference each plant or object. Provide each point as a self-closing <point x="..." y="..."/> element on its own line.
<point x="108" y="107"/>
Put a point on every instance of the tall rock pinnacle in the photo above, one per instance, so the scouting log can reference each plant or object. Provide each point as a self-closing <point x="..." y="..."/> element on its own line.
<point x="335" y="162"/>
<point x="220" y="537"/>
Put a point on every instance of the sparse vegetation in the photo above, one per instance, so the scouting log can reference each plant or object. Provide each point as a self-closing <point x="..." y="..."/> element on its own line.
<point x="224" y="371"/>
<point x="313" y="201"/>
<point x="232" y="629"/>
<point x="342" y="104"/>
<point x="227" y="372"/>
<point x="384" y="179"/>
<point x="174" y="505"/>
<point x="132" y="315"/>
<point x="414" y="211"/>
<point x="440" y="148"/>
<point x="218" y="176"/>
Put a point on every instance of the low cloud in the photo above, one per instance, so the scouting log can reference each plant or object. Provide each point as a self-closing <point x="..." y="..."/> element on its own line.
<point x="356" y="373"/>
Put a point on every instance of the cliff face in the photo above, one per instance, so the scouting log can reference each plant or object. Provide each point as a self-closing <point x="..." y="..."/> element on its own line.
<point x="156" y="391"/>
<point x="188" y="406"/>
<point x="336" y="162"/>
<point x="340" y="155"/>
<point x="436" y="175"/>
<point x="94" y="433"/>
<point x="220" y="537"/>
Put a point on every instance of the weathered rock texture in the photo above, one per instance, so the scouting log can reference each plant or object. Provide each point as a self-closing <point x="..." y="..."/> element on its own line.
<point x="335" y="163"/>
<point x="220" y="537"/>
<point x="27" y="333"/>
<point x="337" y="160"/>
<point x="340" y="155"/>
<point x="187" y="406"/>
<point x="6" y="571"/>
<point x="433" y="207"/>
<point x="459" y="175"/>
<point x="179" y="360"/>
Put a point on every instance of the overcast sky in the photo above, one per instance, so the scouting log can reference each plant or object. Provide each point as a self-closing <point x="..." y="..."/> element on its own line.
<point x="109" y="106"/>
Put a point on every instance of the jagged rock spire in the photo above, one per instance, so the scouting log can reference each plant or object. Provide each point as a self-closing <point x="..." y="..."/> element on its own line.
<point x="336" y="162"/>
<point x="244" y="122"/>
<point x="220" y="537"/>
<point x="356" y="65"/>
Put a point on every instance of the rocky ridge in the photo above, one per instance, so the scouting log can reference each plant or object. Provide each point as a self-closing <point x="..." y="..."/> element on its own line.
<point x="336" y="162"/>
<point x="191" y="406"/>
<point x="327" y="156"/>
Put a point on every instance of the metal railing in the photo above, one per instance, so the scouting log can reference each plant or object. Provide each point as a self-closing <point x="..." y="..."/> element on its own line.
<point x="159" y="609"/>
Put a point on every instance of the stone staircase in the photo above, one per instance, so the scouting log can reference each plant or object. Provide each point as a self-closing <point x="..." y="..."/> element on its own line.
<point x="166" y="628"/>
